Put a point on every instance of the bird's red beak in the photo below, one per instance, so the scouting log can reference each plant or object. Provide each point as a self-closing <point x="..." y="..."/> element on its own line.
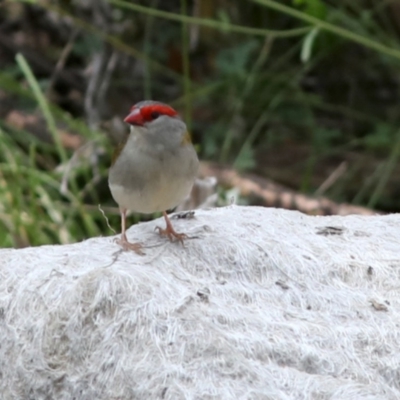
<point x="135" y="117"/>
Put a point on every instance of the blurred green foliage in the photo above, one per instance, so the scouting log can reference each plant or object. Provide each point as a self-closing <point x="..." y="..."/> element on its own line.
<point x="288" y="89"/>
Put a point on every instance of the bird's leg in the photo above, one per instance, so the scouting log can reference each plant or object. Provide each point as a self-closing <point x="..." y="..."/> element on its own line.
<point x="123" y="241"/>
<point x="170" y="231"/>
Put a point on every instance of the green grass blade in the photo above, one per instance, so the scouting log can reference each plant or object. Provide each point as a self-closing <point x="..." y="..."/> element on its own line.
<point x="42" y="102"/>
<point x="337" y="30"/>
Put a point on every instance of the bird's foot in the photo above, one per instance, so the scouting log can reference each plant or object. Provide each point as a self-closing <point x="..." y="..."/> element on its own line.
<point x="128" y="246"/>
<point x="172" y="234"/>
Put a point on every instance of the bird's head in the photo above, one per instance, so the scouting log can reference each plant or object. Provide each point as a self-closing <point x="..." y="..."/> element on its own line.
<point x="161" y="123"/>
<point x="146" y="112"/>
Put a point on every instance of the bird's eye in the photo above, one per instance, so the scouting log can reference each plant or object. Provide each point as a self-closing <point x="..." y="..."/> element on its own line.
<point x="155" y="114"/>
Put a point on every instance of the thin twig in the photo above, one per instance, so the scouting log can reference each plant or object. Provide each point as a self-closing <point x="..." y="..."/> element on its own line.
<point x="107" y="222"/>
<point x="106" y="78"/>
<point x="62" y="60"/>
<point x="332" y="178"/>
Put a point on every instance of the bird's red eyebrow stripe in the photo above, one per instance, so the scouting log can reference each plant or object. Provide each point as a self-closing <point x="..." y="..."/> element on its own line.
<point x="146" y="111"/>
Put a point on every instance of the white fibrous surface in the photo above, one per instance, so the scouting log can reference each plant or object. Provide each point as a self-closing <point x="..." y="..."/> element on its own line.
<point x="259" y="304"/>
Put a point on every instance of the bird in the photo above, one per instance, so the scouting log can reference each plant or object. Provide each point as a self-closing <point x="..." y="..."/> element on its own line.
<point x="154" y="168"/>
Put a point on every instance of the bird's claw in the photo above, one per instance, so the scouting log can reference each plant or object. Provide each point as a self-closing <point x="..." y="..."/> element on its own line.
<point x="172" y="234"/>
<point x="128" y="246"/>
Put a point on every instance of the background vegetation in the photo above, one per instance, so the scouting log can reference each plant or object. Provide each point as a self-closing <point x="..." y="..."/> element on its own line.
<point x="295" y="90"/>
